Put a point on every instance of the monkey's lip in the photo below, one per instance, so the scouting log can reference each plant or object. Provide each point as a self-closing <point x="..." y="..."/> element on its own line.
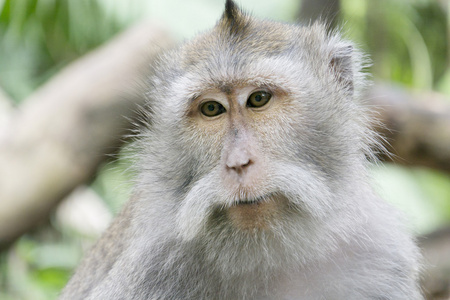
<point x="255" y="212"/>
<point x="252" y="201"/>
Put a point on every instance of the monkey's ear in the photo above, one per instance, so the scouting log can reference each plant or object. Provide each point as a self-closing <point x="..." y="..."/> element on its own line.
<point x="341" y="64"/>
<point x="233" y="19"/>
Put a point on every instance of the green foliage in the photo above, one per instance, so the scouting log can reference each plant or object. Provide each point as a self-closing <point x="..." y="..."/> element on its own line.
<point x="407" y="40"/>
<point x="114" y="183"/>
<point x="38" y="37"/>
<point x="37" y="268"/>
<point x="422" y="194"/>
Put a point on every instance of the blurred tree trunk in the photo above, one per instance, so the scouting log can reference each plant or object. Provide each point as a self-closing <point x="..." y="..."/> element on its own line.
<point x="325" y="10"/>
<point x="59" y="136"/>
<point x="416" y="127"/>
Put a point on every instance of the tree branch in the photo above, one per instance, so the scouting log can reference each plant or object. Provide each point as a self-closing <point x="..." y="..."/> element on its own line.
<point x="416" y="126"/>
<point x="60" y="135"/>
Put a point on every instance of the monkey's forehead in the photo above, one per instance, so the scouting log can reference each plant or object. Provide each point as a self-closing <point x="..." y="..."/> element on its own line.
<point x="262" y="49"/>
<point x="252" y="39"/>
<point x="268" y="52"/>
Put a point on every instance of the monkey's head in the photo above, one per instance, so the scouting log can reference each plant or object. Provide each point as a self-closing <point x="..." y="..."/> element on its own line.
<point x="256" y="127"/>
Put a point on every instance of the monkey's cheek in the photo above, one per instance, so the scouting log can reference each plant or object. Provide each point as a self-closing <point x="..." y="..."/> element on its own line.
<point x="255" y="216"/>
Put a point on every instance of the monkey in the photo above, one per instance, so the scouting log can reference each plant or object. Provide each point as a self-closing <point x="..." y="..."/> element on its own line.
<point x="252" y="177"/>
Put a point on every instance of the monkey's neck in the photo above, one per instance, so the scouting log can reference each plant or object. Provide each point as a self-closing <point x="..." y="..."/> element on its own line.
<point x="195" y="267"/>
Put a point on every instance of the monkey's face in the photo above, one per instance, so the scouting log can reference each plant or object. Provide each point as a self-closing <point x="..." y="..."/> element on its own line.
<point x="257" y="127"/>
<point x="257" y="147"/>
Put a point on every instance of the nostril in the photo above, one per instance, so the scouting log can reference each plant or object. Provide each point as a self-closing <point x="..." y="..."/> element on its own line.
<point x="248" y="163"/>
<point x="239" y="167"/>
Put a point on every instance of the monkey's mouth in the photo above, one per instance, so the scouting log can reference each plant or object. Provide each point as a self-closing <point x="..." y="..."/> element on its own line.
<point x="248" y="202"/>
<point x="252" y="201"/>
<point x="256" y="213"/>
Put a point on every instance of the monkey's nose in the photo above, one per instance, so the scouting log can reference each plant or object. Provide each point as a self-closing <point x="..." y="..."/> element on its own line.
<point x="239" y="162"/>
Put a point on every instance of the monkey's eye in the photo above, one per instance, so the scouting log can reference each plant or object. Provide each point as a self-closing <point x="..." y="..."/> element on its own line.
<point x="258" y="99"/>
<point x="212" y="108"/>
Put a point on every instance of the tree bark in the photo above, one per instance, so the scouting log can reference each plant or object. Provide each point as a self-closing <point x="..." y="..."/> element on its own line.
<point x="324" y="10"/>
<point x="416" y="126"/>
<point x="59" y="135"/>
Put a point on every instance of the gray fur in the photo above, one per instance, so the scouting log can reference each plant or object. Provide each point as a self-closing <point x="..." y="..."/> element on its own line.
<point x="335" y="239"/>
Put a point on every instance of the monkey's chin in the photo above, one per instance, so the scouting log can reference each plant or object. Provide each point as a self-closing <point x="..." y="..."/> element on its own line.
<point x="258" y="213"/>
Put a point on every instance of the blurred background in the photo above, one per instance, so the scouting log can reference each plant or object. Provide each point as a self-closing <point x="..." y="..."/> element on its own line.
<point x="73" y="71"/>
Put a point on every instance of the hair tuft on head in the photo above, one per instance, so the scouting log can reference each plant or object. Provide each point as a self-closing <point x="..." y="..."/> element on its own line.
<point x="233" y="19"/>
<point x="231" y="9"/>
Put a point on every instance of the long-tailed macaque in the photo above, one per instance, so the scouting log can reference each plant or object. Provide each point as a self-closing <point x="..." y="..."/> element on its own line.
<point x="253" y="180"/>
